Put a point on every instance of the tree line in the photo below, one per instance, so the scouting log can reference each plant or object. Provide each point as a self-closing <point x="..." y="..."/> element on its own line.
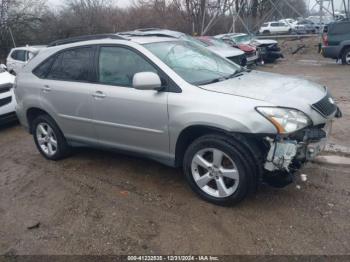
<point x="34" y="22"/>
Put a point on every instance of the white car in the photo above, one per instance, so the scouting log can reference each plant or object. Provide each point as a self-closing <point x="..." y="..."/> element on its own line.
<point x="7" y="98"/>
<point x="288" y="21"/>
<point x="19" y="57"/>
<point x="275" y="27"/>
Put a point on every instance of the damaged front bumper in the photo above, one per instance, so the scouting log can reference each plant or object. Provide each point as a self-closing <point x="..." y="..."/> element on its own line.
<point x="288" y="153"/>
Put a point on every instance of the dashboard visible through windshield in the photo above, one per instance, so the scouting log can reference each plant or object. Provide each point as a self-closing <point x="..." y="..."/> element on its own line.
<point x="196" y="65"/>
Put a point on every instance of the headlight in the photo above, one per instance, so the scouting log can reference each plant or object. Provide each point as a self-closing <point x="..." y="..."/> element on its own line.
<point x="286" y="120"/>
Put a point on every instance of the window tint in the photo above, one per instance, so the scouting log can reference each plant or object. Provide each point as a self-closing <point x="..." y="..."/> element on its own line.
<point x="73" y="65"/>
<point x="274" y="24"/>
<point x="341" y="28"/>
<point x="117" y="66"/>
<point x="19" y="55"/>
<point x="42" y="70"/>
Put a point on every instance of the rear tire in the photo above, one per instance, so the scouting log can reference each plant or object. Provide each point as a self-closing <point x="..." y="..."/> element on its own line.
<point x="49" y="139"/>
<point x="346" y="56"/>
<point x="218" y="170"/>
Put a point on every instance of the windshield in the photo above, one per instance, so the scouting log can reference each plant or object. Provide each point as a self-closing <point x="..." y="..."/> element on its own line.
<point x="241" y="39"/>
<point x="219" y="43"/>
<point x="194" y="40"/>
<point x="195" y="64"/>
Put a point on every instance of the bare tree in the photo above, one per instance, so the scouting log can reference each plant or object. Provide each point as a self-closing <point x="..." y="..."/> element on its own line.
<point x="32" y="22"/>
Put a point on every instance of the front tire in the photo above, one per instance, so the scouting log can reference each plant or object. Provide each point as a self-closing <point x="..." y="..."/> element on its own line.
<point x="49" y="138"/>
<point x="346" y="56"/>
<point x="217" y="170"/>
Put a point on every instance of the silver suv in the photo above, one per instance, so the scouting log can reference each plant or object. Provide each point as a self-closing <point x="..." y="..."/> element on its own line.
<point x="175" y="102"/>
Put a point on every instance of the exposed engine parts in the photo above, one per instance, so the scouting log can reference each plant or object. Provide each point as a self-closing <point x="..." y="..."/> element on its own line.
<point x="281" y="154"/>
<point x="296" y="148"/>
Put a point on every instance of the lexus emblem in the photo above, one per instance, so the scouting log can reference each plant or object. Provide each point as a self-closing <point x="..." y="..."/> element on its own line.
<point x="331" y="100"/>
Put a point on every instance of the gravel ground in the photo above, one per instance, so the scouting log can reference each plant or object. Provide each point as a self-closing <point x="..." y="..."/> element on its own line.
<point x="98" y="202"/>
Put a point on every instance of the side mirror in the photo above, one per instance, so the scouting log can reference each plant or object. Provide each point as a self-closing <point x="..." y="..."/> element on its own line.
<point x="146" y="81"/>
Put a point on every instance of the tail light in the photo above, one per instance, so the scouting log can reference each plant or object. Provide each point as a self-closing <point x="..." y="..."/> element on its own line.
<point x="325" y="39"/>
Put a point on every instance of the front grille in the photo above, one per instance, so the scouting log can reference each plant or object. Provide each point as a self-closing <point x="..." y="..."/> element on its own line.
<point x="251" y="54"/>
<point x="5" y="101"/>
<point x="5" y="88"/>
<point x="325" y="106"/>
<point x="262" y="50"/>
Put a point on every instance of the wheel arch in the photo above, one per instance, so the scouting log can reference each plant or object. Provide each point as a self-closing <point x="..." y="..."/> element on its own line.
<point x="190" y="133"/>
<point x="343" y="48"/>
<point x="33" y="113"/>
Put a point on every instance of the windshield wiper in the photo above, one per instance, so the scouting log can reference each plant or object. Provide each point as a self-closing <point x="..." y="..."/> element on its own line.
<point x="239" y="73"/>
<point x="212" y="81"/>
<point x="235" y="74"/>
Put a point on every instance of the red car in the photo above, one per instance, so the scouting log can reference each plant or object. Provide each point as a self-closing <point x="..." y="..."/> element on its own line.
<point x="249" y="50"/>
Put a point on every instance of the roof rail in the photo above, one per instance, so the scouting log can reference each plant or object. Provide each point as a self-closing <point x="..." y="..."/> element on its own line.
<point x="84" y="38"/>
<point x="148" y="29"/>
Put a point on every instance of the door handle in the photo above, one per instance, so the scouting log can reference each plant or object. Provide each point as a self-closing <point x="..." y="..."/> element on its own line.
<point x="46" y="89"/>
<point x="99" y="94"/>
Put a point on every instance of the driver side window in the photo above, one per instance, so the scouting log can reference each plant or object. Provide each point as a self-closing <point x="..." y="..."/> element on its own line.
<point x="118" y="65"/>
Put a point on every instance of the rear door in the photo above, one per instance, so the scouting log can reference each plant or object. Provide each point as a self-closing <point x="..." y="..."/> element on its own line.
<point x="274" y="27"/>
<point x="67" y="91"/>
<point x="126" y="118"/>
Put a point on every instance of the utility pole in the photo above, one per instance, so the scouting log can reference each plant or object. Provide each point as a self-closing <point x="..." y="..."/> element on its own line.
<point x="321" y="11"/>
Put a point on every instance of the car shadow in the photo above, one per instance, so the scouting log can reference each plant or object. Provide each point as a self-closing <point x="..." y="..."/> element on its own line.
<point x="9" y="125"/>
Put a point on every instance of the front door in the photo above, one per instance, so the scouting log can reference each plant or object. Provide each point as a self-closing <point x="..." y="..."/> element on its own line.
<point x="126" y="118"/>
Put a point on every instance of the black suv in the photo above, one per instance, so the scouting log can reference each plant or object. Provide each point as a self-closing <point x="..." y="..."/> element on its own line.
<point x="336" y="41"/>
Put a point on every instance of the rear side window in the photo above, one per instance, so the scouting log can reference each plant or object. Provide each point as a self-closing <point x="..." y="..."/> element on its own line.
<point x="42" y="70"/>
<point x="265" y="24"/>
<point x="341" y="28"/>
<point x="20" y="55"/>
<point x="275" y="24"/>
<point x="73" y="65"/>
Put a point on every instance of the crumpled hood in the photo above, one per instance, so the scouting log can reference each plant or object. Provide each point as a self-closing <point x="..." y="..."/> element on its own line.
<point x="276" y="89"/>
<point x="247" y="47"/>
<point x="226" y="52"/>
<point x="259" y="42"/>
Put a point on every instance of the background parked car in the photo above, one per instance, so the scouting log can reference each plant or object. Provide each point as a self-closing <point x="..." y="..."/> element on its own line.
<point x="19" y="57"/>
<point x="336" y="41"/>
<point x="7" y="98"/>
<point x="268" y="49"/>
<point x="288" y="21"/>
<point x="230" y="53"/>
<point x="249" y="50"/>
<point x="275" y="27"/>
<point x="304" y="26"/>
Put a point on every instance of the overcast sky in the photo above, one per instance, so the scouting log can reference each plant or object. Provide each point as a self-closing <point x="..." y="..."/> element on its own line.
<point x="125" y="3"/>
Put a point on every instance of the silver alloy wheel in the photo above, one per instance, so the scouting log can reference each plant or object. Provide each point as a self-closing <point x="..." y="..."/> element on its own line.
<point x="214" y="172"/>
<point x="347" y="58"/>
<point x="46" y="139"/>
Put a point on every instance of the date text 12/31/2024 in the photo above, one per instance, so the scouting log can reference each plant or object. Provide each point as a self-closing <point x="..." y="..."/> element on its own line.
<point x="173" y="258"/>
